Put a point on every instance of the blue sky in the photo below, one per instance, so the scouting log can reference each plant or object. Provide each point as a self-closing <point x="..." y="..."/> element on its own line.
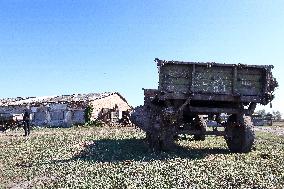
<point x="63" y="47"/>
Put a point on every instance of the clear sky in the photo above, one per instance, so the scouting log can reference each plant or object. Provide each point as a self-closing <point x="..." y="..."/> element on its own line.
<point x="51" y="47"/>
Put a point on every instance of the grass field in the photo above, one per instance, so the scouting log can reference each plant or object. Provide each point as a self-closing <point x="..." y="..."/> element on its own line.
<point x="119" y="158"/>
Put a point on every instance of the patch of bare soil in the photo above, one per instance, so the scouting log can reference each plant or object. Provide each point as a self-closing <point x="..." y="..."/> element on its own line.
<point x="29" y="184"/>
<point x="271" y="129"/>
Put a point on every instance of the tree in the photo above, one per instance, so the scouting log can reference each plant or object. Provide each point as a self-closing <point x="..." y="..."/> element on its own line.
<point x="262" y="113"/>
<point x="276" y="115"/>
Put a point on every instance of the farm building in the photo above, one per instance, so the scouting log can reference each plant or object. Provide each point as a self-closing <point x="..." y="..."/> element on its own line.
<point x="66" y="110"/>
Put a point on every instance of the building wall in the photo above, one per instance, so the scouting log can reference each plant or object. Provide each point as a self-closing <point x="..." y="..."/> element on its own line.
<point x="57" y="114"/>
<point x="40" y="116"/>
<point x="12" y="109"/>
<point x="108" y="102"/>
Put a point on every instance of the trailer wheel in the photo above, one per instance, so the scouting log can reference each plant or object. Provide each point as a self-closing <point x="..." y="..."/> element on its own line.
<point x="153" y="141"/>
<point x="160" y="138"/>
<point x="159" y="135"/>
<point x="200" y="125"/>
<point x="239" y="135"/>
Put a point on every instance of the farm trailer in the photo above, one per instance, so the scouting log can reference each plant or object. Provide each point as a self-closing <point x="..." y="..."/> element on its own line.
<point x="188" y="91"/>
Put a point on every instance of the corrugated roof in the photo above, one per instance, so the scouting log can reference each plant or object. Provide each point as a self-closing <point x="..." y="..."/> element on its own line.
<point x="54" y="99"/>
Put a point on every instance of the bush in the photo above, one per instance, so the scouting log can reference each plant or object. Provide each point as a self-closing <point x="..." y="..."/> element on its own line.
<point x="88" y="113"/>
<point x="94" y="123"/>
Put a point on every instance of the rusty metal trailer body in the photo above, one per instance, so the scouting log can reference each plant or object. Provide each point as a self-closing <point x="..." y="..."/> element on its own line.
<point x="220" y="87"/>
<point x="188" y="90"/>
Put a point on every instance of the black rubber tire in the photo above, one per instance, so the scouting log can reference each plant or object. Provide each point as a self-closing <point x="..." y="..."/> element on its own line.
<point x="240" y="136"/>
<point x="153" y="142"/>
<point x="199" y="124"/>
<point x="167" y="140"/>
<point x="159" y="136"/>
<point x="160" y="140"/>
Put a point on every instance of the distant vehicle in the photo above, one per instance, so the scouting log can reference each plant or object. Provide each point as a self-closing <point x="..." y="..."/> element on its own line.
<point x="188" y="90"/>
<point x="259" y="120"/>
<point x="213" y="123"/>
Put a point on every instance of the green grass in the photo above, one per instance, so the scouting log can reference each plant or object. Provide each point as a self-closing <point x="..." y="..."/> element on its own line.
<point x="119" y="158"/>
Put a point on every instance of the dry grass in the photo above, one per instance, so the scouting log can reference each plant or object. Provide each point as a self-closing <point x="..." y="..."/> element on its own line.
<point x="278" y="124"/>
<point x="119" y="158"/>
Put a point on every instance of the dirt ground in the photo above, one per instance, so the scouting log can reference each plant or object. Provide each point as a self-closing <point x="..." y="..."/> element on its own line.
<point x="277" y="128"/>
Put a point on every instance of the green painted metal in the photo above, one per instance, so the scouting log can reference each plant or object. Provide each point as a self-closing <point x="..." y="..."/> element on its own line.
<point x="182" y="78"/>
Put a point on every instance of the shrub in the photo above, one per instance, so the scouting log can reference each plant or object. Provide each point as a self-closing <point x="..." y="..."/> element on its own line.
<point x="88" y="113"/>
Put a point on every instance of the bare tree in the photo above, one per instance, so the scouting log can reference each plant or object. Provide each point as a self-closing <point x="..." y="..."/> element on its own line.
<point x="276" y="115"/>
<point x="262" y="113"/>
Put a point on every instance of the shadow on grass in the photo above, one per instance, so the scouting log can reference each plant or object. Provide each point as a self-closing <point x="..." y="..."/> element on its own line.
<point x="126" y="150"/>
<point x="109" y="150"/>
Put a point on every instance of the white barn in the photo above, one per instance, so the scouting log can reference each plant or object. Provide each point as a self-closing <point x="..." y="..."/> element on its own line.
<point x="65" y="110"/>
